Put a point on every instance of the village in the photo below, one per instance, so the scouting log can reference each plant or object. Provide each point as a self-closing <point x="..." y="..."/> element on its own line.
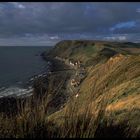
<point x="78" y="77"/>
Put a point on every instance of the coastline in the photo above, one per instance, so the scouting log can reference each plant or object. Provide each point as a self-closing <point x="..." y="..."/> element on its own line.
<point x="18" y="94"/>
<point x="60" y="73"/>
<point x="44" y="79"/>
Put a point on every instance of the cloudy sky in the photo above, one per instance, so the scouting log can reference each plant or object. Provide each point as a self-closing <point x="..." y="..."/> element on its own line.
<point x="34" y="23"/>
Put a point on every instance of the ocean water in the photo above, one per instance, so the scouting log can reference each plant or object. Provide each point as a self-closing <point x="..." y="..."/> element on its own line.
<point x="17" y="66"/>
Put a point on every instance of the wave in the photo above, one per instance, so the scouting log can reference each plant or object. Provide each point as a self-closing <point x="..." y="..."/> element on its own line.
<point x="19" y="91"/>
<point x="15" y="92"/>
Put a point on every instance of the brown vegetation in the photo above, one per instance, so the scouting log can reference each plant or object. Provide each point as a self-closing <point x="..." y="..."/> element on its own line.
<point x="107" y="104"/>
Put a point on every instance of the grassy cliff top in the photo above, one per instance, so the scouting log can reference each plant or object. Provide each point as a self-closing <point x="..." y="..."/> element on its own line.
<point x="113" y="80"/>
<point x="92" y="52"/>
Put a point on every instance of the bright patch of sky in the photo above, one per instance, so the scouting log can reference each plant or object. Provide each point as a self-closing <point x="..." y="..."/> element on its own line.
<point x="138" y="10"/>
<point x="128" y="24"/>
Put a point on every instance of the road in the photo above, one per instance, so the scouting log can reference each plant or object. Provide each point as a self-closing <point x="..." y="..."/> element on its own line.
<point x="72" y="91"/>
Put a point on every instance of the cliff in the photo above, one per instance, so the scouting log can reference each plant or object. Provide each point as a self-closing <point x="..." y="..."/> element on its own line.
<point x="113" y="79"/>
<point x="104" y="103"/>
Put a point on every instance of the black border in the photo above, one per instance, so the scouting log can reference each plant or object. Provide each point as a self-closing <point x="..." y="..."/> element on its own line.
<point x="69" y="1"/>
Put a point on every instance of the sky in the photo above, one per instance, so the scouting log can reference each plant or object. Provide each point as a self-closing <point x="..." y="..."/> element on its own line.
<point x="46" y="23"/>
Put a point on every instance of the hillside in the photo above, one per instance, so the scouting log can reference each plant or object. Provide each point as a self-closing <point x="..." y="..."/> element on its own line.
<point x="92" y="90"/>
<point x="112" y="82"/>
<point x="92" y="52"/>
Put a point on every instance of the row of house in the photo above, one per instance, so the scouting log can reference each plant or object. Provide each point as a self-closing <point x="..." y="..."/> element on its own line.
<point x="78" y="78"/>
<point x="75" y="82"/>
<point x="80" y="70"/>
<point x="76" y="64"/>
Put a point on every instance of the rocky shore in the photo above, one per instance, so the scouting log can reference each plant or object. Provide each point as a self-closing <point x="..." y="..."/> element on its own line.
<point x="9" y="104"/>
<point x="40" y="83"/>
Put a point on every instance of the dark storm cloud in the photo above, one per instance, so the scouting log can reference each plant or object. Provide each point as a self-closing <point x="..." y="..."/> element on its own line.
<point x="53" y="20"/>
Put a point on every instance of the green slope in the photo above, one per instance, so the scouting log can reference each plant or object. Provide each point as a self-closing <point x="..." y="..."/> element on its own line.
<point x="113" y="74"/>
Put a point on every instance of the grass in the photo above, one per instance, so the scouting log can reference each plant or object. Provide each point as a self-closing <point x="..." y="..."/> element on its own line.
<point x="32" y="120"/>
<point x="107" y="105"/>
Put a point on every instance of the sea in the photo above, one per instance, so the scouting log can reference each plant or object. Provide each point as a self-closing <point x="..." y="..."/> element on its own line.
<point x="18" y="66"/>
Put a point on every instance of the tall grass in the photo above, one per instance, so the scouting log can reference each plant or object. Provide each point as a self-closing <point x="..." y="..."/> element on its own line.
<point x="83" y="123"/>
<point x="32" y="118"/>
